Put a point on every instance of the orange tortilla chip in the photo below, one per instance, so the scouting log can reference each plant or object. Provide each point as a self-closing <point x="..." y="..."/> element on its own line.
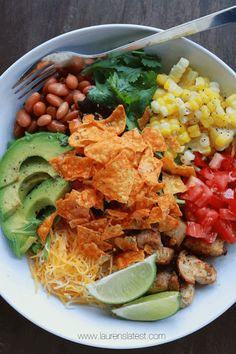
<point x="133" y="140"/>
<point x="126" y="258"/>
<point x="88" y="235"/>
<point x="145" y="118"/>
<point x="154" y="137"/>
<point x="156" y="215"/>
<point x="170" y="166"/>
<point x="116" y="179"/>
<point x="116" y="214"/>
<point x="75" y="222"/>
<point x="137" y="186"/>
<point x="173" y="184"/>
<point x="90" y="249"/>
<point x="168" y="224"/>
<point x="97" y="224"/>
<point x="149" y="167"/>
<point x="44" y="228"/>
<point x="112" y="231"/>
<point x="89" y="198"/>
<point x="69" y="209"/>
<point x="105" y="150"/>
<point x="117" y="120"/>
<point x="173" y="144"/>
<point x="72" y="167"/>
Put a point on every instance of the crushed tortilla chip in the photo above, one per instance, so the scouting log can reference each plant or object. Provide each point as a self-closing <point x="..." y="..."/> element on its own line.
<point x="168" y="224"/>
<point x="149" y="167"/>
<point x="145" y="118"/>
<point x="124" y="259"/>
<point x="173" y="184"/>
<point x="105" y="150"/>
<point x="116" y="179"/>
<point x="170" y="166"/>
<point x="44" y="228"/>
<point x="127" y="243"/>
<point x="173" y="144"/>
<point x="133" y="140"/>
<point x="117" y="120"/>
<point x="69" y="208"/>
<point x="112" y="231"/>
<point x="117" y="214"/>
<point x="154" y="137"/>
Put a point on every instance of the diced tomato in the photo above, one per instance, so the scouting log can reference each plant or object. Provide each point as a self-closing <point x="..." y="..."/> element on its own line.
<point x="227" y="195"/>
<point x="190" y="211"/>
<point x="206" y="173"/>
<point x="232" y="205"/>
<point x="220" y="181"/>
<point x="226" y="230"/>
<point x="199" y="161"/>
<point x="226" y="214"/>
<point x="216" y="202"/>
<point x="207" y="217"/>
<point x="198" y="231"/>
<point x="226" y="164"/>
<point x="199" y="193"/>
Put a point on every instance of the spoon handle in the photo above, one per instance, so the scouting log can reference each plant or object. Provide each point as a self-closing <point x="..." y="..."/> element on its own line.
<point x="215" y="19"/>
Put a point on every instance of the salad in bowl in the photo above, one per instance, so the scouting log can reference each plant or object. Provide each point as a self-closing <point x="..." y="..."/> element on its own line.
<point x="119" y="185"/>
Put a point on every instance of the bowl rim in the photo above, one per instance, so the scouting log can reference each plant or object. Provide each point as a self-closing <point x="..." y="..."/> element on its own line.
<point x="17" y="308"/>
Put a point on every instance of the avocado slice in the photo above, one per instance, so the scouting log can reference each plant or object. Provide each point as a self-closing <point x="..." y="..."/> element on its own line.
<point x="45" y="145"/>
<point x="33" y="171"/>
<point x="20" y="228"/>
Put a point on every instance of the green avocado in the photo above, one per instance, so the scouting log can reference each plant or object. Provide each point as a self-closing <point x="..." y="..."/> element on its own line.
<point x="33" y="171"/>
<point x="20" y="228"/>
<point x="44" y="145"/>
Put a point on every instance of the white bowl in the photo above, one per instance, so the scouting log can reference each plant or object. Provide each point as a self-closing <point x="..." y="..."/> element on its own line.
<point x="89" y="325"/>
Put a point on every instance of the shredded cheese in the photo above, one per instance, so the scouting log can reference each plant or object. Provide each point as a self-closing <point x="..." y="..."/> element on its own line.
<point x="66" y="272"/>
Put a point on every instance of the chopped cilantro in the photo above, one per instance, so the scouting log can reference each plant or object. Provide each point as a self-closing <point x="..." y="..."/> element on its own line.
<point x="63" y="140"/>
<point x="159" y="154"/>
<point x="180" y="201"/>
<point x="124" y="78"/>
<point x="178" y="159"/>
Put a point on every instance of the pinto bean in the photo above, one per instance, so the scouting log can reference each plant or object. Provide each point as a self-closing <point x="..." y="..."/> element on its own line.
<point x="86" y="89"/>
<point x="39" y="108"/>
<point x="52" y="111"/>
<point x="58" y="89"/>
<point x="56" y="126"/>
<point x="54" y="100"/>
<point x="31" y="100"/>
<point x="70" y="116"/>
<point x="62" y="110"/>
<point x="75" y="65"/>
<point x="18" y="131"/>
<point x="52" y="80"/>
<point x="45" y="119"/>
<point x="83" y="84"/>
<point x="72" y="82"/>
<point x="32" y="127"/>
<point x="23" y="118"/>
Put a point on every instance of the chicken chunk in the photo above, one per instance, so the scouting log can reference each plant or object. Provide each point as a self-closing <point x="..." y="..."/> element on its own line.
<point x="187" y="292"/>
<point x="149" y="237"/>
<point x="204" y="248"/>
<point x="165" y="281"/>
<point x="192" y="269"/>
<point x="164" y="255"/>
<point x="177" y="235"/>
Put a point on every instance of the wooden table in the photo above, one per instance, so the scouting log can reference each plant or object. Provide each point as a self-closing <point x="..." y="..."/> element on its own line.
<point x="24" y="25"/>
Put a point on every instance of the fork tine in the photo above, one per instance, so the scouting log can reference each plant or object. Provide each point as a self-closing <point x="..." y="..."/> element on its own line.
<point x="30" y="72"/>
<point x="37" y="84"/>
<point x="35" y="77"/>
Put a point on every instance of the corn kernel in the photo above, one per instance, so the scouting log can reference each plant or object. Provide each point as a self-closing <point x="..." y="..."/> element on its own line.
<point x="200" y="83"/>
<point x="221" y="137"/>
<point x="178" y="69"/>
<point x="194" y="131"/>
<point x="174" y="125"/>
<point x="220" y="120"/>
<point x="192" y="105"/>
<point x="165" y="128"/>
<point x="183" y="138"/>
<point x="231" y="101"/>
<point x="161" y="79"/>
<point x="172" y="87"/>
<point x="158" y="93"/>
<point x="185" y="95"/>
<point x="155" y="106"/>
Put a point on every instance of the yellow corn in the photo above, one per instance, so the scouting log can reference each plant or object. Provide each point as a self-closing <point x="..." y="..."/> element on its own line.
<point x="192" y="105"/>
<point x="184" y="138"/>
<point x="231" y="101"/>
<point x="158" y="93"/>
<point x="165" y="128"/>
<point x="194" y="131"/>
<point x="161" y="79"/>
<point x="172" y="87"/>
<point x="221" y="137"/>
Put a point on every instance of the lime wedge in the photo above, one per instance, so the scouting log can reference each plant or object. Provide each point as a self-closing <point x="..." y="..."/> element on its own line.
<point x="151" y="308"/>
<point x="125" y="285"/>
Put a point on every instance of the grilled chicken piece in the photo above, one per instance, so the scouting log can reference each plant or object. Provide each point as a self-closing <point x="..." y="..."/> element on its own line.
<point x="164" y="255"/>
<point x="203" y="248"/>
<point x="165" y="281"/>
<point x="192" y="269"/>
<point x="187" y="292"/>
<point x="149" y="237"/>
<point x="177" y="235"/>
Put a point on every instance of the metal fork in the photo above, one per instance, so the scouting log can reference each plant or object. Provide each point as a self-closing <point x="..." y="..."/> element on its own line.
<point x="48" y="66"/>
